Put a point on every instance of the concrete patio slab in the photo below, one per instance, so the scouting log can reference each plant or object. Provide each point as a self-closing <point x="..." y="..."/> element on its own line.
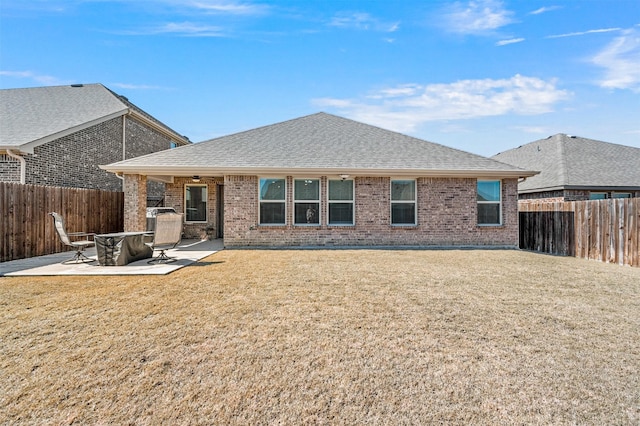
<point x="187" y="252"/>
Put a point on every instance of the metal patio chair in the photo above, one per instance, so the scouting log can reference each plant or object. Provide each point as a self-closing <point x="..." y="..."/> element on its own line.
<point x="69" y="239"/>
<point x="167" y="235"/>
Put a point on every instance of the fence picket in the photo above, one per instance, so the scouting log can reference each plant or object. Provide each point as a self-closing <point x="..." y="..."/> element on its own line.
<point x="27" y="230"/>
<point x="604" y="230"/>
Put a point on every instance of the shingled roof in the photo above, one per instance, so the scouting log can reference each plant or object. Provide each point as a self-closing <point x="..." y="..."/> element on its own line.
<point x="33" y="116"/>
<point x="571" y="162"/>
<point x="318" y="143"/>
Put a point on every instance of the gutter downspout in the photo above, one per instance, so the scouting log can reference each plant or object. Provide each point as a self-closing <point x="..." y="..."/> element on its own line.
<point x="23" y="165"/>
<point x="124" y="145"/>
<point x="124" y="136"/>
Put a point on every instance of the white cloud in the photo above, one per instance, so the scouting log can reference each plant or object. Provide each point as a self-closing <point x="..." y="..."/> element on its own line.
<point x="476" y="17"/>
<point x="544" y="10"/>
<point x="621" y="62"/>
<point x="510" y="41"/>
<point x="581" y="33"/>
<point x="362" y="21"/>
<point x="229" y="7"/>
<point x="46" y="80"/>
<point x="186" y="29"/>
<point x="533" y="129"/>
<point x="404" y="108"/>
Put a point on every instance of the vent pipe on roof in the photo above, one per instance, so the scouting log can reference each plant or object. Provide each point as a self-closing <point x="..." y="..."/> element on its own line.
<point x="23" y="165"/>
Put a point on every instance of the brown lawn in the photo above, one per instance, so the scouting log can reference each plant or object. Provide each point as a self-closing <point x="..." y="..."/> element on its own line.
<point x="330" y="337"/>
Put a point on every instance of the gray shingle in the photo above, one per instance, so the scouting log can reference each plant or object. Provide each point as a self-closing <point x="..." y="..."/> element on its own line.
<point x="318" y="141"/>
<point x="39" y="114"/>
<point x="572" y="162"/>
<point x="27" y="115"/>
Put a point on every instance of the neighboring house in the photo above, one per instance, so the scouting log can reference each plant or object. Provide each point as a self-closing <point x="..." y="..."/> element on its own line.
<point x="575" y="169"/>
<point x="59" y="135"/>
<point x="322" y="180"/>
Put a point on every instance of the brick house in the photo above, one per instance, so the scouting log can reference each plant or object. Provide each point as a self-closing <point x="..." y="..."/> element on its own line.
<point x="323" y="180"/>
<point x="59" y="135"/>
<point x="576" y="169"/>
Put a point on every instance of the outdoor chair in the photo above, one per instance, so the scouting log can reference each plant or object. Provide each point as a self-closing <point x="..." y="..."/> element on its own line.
<point x="167" y="235"/>
<point x="68" y="239"/>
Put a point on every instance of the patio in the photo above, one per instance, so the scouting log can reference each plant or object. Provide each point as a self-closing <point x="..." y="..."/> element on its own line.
<point x="186" y="253"/>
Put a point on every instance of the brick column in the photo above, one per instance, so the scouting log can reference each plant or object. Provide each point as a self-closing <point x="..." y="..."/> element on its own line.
<point x="135" y="203"/>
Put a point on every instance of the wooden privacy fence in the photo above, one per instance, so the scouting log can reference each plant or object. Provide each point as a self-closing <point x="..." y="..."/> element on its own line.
<point x="605" y="230"/>
<point x="26" y="229"/>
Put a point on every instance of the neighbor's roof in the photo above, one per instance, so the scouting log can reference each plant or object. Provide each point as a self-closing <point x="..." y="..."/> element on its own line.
<point x="33" y="116"/>
<point x="572" y="162"/>
<point x="314" y="144"/>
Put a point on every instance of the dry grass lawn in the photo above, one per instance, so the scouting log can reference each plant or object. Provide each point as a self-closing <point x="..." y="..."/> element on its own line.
<point x="329" y="337"/>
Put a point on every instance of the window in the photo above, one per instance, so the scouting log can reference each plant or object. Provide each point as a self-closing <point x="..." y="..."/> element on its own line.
<point x="489" y="209"/>
<point x="306" y="200"/>
<point x="195" y="203"/>
<point x="272" y="201"/>
<point x="621" y="195"/>
<point x="598" y="196"/>
<point x="403" y="202"/>
<point x="340" y="202"/>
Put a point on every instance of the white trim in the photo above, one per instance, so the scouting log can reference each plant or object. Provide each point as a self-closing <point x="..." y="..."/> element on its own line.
<point x="298" y="172"/>
<point x="625" y="194"/>
<point x="173" y="137"/>
<point x="29" y="146"/>
<point x="260" y="201"/>
<point x="318" y="201"/>
<point x="206" y="202"/>
<point x="414" y="201"/>
<point x="500" y="218"/>
<point x="23" y="165"/>
<point x="352" y="202"/>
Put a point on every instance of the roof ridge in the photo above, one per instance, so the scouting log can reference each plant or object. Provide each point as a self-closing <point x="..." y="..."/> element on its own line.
<point x="404" y="135"/>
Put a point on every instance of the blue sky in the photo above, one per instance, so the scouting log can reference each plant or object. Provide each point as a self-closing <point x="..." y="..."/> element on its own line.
<point x="483" y="76"/>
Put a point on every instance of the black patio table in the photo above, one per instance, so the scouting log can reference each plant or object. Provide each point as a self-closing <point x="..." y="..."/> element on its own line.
<point x="121" y="248"/>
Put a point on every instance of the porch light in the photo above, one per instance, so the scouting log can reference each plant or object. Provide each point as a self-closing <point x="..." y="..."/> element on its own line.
<point x="196" y="179"/>
<point x="343" y="177"/>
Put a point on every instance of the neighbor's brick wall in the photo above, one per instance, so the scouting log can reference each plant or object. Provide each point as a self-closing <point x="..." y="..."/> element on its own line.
<point x="174" y="197"/>
<point x="143" y="140"/>
<point x="9" y="169"/>
<point x="73" y="160"/>
<point x="446" y="216"/>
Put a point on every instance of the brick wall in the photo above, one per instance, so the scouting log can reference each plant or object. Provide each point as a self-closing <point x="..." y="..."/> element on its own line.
<point x="446" y="217"/>
<point x="9" y="169"/>
<point x="73" y="160"/>
<point x="135" y="201"/>
<point x="142" y="140"/>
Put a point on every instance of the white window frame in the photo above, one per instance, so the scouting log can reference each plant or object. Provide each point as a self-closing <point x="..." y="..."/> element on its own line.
<point x="206" y="202"/>
<point x="592" y="193"/>
<point x="261" y="201"/>
<point x="621" y="195"/>
<point x="352" y="202"/>
<point x="414" y="201"/>
<point x="318" y="201"/>
<point x="499" y="202"/>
